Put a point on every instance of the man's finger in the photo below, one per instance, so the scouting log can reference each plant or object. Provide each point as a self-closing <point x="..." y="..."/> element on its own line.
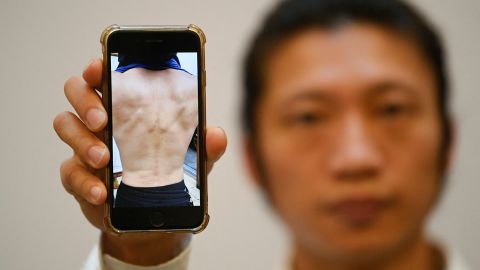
<point x="78" y="181"/>
<point x="216" y="143"/>
<point x="86" y="103"/>
<point x="74" y="133"/>
<point x="93" y="74"/>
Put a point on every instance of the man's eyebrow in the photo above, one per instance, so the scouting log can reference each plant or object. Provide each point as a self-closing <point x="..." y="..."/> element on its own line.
<point x="390" y="86"/>
<point x="313" y="95"/>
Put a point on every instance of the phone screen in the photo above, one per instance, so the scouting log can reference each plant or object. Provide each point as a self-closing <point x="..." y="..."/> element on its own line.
<point x="156" y="130"/>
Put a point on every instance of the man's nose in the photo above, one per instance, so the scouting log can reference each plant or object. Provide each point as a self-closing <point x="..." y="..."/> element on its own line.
<point x="356" y="155"/>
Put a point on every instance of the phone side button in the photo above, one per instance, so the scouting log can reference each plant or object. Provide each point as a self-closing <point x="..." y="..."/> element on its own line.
<point x="157" y="219"/>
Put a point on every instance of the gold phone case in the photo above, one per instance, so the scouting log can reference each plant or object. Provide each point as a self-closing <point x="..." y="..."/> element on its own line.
<point x="204" y="196"/>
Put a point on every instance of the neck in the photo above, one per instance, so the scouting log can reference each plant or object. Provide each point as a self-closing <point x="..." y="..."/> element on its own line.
<point x="418" y="254"/>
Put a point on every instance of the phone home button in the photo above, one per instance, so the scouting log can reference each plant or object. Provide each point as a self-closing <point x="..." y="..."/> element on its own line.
<point x="157" y="219"/>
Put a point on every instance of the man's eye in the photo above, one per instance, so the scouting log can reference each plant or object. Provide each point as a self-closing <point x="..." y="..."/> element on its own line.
<point x="393" y="110"/>
<point x="308" y="118"/>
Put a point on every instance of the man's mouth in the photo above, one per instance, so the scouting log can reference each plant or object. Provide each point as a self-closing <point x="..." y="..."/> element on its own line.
<point x="358" y="211"/>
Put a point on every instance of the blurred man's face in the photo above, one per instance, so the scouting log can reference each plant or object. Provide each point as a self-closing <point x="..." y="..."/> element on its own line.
<point x="349" y="135"/>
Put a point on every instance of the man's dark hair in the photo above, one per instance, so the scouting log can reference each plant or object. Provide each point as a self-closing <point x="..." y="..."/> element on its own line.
<point x="291" y="16"/>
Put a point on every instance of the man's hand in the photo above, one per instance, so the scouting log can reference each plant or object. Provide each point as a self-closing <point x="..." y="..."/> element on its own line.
<point x="81" y="173"/>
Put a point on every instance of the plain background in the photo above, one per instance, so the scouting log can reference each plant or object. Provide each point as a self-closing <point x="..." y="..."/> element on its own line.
<point x="42" y="43"/>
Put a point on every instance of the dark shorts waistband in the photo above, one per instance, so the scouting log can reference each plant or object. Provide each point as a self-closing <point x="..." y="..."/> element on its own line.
<point x="169" y="195"/>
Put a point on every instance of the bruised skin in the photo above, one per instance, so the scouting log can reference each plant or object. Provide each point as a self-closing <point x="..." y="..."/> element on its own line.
<point x="154" y="115"/>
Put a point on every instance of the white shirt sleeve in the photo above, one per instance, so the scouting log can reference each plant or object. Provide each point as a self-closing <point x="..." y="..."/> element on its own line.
<point x="98" y="261"/>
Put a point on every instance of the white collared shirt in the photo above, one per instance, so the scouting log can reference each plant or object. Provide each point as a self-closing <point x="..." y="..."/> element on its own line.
<point x="453" y="259"/>
<point x="98" y="261"/>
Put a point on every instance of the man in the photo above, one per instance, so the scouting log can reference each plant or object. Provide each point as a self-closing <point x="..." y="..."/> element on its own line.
<point x="154" y="115"/>
<point x="346" y="132"/>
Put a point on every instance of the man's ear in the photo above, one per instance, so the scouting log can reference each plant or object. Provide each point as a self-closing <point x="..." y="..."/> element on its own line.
<point x="250" y="160"/>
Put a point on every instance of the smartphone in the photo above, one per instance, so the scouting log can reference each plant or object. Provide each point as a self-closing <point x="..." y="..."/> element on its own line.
<point x="154" y="93"/>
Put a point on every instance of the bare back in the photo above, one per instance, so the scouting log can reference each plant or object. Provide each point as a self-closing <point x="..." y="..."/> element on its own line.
<point x="154" y="115"/>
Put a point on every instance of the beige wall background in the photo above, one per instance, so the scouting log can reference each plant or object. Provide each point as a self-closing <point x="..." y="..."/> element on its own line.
<point x="44" y="42"/>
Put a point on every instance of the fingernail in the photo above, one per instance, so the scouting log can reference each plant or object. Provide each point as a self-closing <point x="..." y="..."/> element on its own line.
<point x="96" y="154"/>
<point x="95" y="118"/>
<point x="95" y="193"/>
<point x="89" y="63"/>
